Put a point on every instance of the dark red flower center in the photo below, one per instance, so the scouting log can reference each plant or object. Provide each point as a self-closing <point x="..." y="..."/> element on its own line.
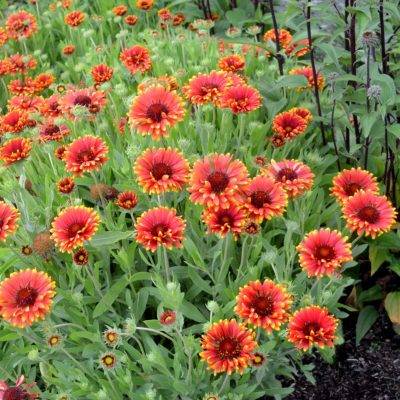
<point x="74" y="229"/>
<point x="218" y="181"/>
<point x="156" y="112"/>
<point x="18" y="25"/>
<point x="325" y="252"/>
<point x="83" y="100"/>
<point x="259" y="198"/>
<point x="161" y="169"/>
<point x="159" y="230"/>
<point x="51" y="130"/>
<point x="263" y="305"/>
<point x="85" y="155"/>
<point x="226" y="219"/>
<point x="15" y="393"/>
<point x="229" y="348"/>
<point x="351" y="188"/>
<point x="26" y="296"/>
<point x="369" y="214"/>
<point x="286" y="174"/>
<point x="311" y="329"/>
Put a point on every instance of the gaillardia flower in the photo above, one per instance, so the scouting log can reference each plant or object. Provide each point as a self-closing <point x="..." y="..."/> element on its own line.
<point x="217" y="181"/>
<point x="225" y="220"/>
<point x="15" y="150"/>
<point x="74" y="18"/>
<point x="127" y="200"/>
<point x="161" y="170"/>
<point x="9" y="216"/>
<point x="264" y="199"/>
<point x="168" y="318"/>
<point x="17" y="392"/>
<point x="348" y="182"/>
<point x="312" y="325"/>
<point x="284" y="37"/>
<point x="289" y="124"/>
<point x="232" y="63"/>
<point x="303" y="113"/>
<point x="241" y="99"/>
<point x="160" y="226"/>
<point x="227" y="347"/>
<point x="26" y="296"/>
<point x="155" y="110"/>
<point x="263" y="304"/>
<point x="323" y="252"/>
<point x="73" y="226"/>
<point x="369" y="213"/>
<point x="86" y="153"/>
<point x="14" y="121"/>
<point x="81" y="257"/>
<point x="102" y="73"/>
<point x="136" y="58"/>
<point x="203" y="89"/>
<point x="20" y="24"/>
<point x="292" y="175"/>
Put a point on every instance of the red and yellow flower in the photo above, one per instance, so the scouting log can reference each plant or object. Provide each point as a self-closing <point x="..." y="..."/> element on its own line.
<point x="348" y="182"/>
<point x="74" y="18"/>
<point x="73" y="226"/>
<point x="264" y="199"/>
<point x="20" y="24"/>
<point x="232" y="63"/>
<point x="136" y="58"/>
<point x="15" y="150"/>
<point x="14" y="121"/>
<point x="263" y="304"/>
<point x="26" y="296"/>
<point x="310" y="326"/>
<point x="127" y="200"/>
<point x="292" y="175"/>
<point x="284" y="36"/>
<point x="10" y="392"/>
<point x="307" y="72"/>
<point x="102" y="73"/>
<point x="227" y="347"/>
<point x="217" y="181"/>
<point x="241" y="99"/>
<point x="323" y="252"/>
<point x="84" y="154"/>
<point x="369" y="213"/>
<point x="9" y="217"/>
<point x="154" y="111"/>
<point x="289" y="124"/>
<point x="160" y="226"/>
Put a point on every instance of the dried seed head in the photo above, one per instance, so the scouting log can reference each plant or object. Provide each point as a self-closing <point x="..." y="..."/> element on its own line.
<point x="43" y="244"/>
<point x="370" y="39"/>
<point x="374" y="92"/>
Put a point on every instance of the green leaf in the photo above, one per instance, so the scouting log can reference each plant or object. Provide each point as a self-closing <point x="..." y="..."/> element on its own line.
<point x="293" y="81"/>
<point x="377" y="256"/>
<point x="106" y="238"/>
<point x="394" y="130"/>
<point x="194" y="253"/>
<point x="190" y="311"/>
<point x="392" y="306"/>
<point x="366" y="319"/>
<point x="107" y="301"/>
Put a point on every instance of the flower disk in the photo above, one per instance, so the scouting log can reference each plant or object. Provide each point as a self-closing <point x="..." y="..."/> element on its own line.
<point x="323" y="252"/>
<point x="263" y="304"/>
<point x="312" y="325"/>
<point x="73" y="226"/>
<point x="227" y="347"/>
<point x="26" y="297"/>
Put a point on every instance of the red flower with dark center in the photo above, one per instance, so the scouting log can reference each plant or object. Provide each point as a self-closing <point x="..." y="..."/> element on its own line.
<point x="74" y="18"/>
<point x="20" y="24"/>
<point x="289" y="125"/>
<point x="292" y="175"/>
<point x="85" y="154"/>
<point x="312" y="325"/>
<point x="25" y="297"/>
<point x="241" y="99"/>
<point x="81" y="257"/>
<point x="161" y="170"/>
<point x="17" y="392"/>
<point x="369" y="213"/>
<point x="348" y="182"/>
<point x="8" y="220"/>
<point x="66" y="185"/>
<point x="160" y="226"/>
<point x="14" y="122"/>
<point x="155" y="110"/>
<point x="131" y="20"/>
<point x="136" y="58"/>
<point x="127" y="200"/>
<point x="73" y="226"/>
<point x="227" y="347"/>
<point x="102" y="73"/>
<point x="15" y="150"/>
<point x="217" y="181"/>
<point x="264" y="199"/>
<point x="263" y="304"/>
<point x="232" y="63"/>
<point x="323" y="252"/>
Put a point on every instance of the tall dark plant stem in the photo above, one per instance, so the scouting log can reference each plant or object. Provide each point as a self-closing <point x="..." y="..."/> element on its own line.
<point x="368" y="141"/>
<point x="347" y="48"/>
<point x="314" y="70"/>
<point x="353" y="53"/>
<point x="277" y="42"/>
<point x="333" y="128"/>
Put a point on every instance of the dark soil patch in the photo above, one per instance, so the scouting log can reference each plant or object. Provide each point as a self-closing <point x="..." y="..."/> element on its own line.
<point x="370" y="371"/>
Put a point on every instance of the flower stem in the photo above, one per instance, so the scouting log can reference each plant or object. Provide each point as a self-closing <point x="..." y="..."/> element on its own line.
<point x="166" y="265"/>
<point x="224" y="383"/>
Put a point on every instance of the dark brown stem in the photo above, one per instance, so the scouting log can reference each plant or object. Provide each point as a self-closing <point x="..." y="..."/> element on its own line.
<point x="347" y="48"/>
<point x="333" y="132"/>
<point x="353" y="50"/>
<point x="277" y="42"/>
<point x="368" y="141"/>
<point x="314" y="70"/>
